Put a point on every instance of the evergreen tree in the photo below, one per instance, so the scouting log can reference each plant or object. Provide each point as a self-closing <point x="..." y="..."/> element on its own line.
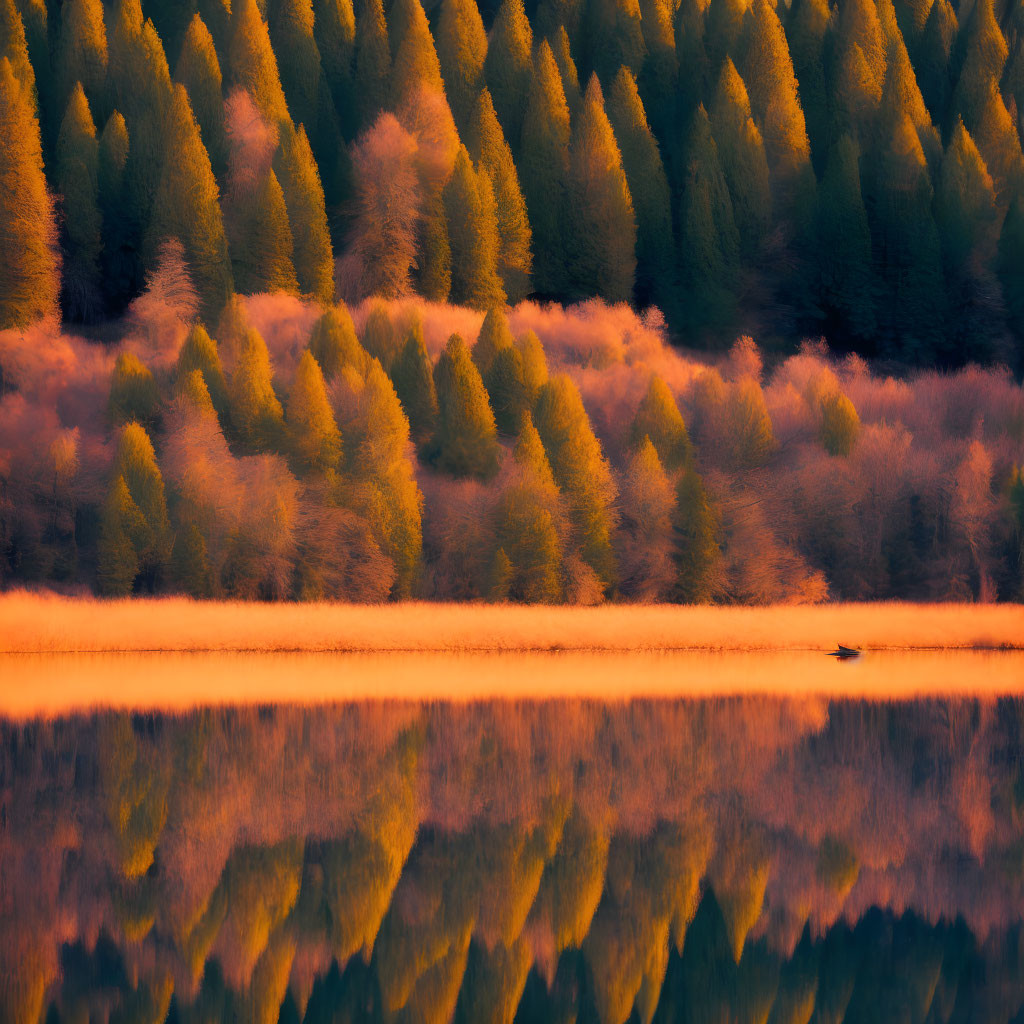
<point x="749" y="437"/>
<point x="858" y="24"/>
<point x="434" y="270"/>
<point x="613" y="37"/>
<point x="530" y="456"/>
<point x="848" y="288"/>
<point x="465" y="443"/>
<point x="856" y="93"/>
<point x="187" y="207"/>
<point x="648" y="188"/>
<point x="742" y="156"/>
<point x="134" y="396"/>
<point x="1011" y="266"/>
<point x="256" y="413"/>
<point x="190" y="562"/>
<point x="691" y="54"/>
<point x="302" y="78"/>
<point x="562" y="53"/>
<point x="261" y="239"/>
<point x="805" y="29"/>
<point x="980" y="54"/>
<point x="490" y="151"/>
<point x="840" y="424"/>
<point x="35" y="24"/>
<point x="581" y="472"/>
<point x="334" y="28"/>
<point x="506" y="385"/>
<point x="658" y="418"/>
<point x="198" y="69"/>
<point x="901" y="95"/>
<point x="14" y="46"/>
<point x="135" y="463"/>
<point x="307" y="214"/>
<point x="696" y="532"/>
<point x="508" y="69"/>
<point x="195" y="395"/>
<point x="81" y="52"/>
<point x="380" y="339"/>
<point x="252" y="63"/>
<point x="544" y="170"/>
<point x="933" y="57"/>
<point x="118" y="258"/>
<point x="535" y="366"/>
<point x="199" y="353"/>
<point x="999" y="143"/>
<point x="603" y="254"/>
<point x="334" y="343"/>
<point x="372" y="60"/>
<point x="315" y="440"/>
<point x="723" y="26"/>
<point x="413" y="378"/>
<point x="461" y="49"/>
<point x="648" y="570"/>
<point x="415" y="59"/>
<point x="117" y="561"/>
<point x="528" y="539"/>
<point x="29" y="274"/>
<point x="77" y="180"/>
<point x="494" y="336"/>
<point x="472" y="218"/>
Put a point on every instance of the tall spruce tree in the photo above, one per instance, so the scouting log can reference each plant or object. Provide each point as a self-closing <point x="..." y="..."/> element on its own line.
<point x="613" y="37"/>
<point x="81" y="52"/>
<point x="490" y="151"/>
<point x="462" y="50"/>
<point x="603" y="243"/>
<point x="806" y="27"/>
<point x="198" y="69"/>
<point x="933" y="57"/>
<point x="372" y="60"/>
<point x="77" y="181"/>
<point x="697" y="549"/>
<point x="118" y="257"/>
<point x="979" y="53"/>
<point x="334" y="343"/>
<point x="508" y="69"/>
<point x="434" y="261"/>
<point x="413" y="377"/>
<point x="562" y="52"/>
<point x="901" y="95"/>
<point x="509" y="392"/>
<point x="334" y="28"/>
<point x="260" y="238"/>
<point x="14" y="46"/>
<point x="415" y="64"/>
<point x="998" y="141"/>
<point x="29" y="266"/>
<point x="494" y="336"/>
<point x="858" y="23"/>
<point x="659" y="419"/>
<point x="314" y="438"/>
<point x="199" y="354"/>
<point x="256" y="414"/>
<point x="117" y="563"/>
<point x="252" y="63"/>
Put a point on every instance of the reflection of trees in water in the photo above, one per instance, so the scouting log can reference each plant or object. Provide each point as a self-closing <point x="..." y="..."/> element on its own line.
<point x="728" y="860"/>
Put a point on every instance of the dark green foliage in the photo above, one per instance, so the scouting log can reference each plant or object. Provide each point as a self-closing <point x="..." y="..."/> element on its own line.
<point x="508" y="390"/>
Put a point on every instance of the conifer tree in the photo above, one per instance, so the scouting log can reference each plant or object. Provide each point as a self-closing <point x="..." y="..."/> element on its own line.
<point x="372" y="60"/>
<point x="14" y="46"/>
<point x="198" y="69"/>
<point x="856" y="93"/>
<point x="742" y="156"/>
<point x="256" y="413"/>
<point x="466" y="440"/>
<point x="659" y="419"/>
<point x="603" y="254"/>
<point x="980" y="53"/>
<point x="380" y="339"/>
<point x="413" y="378"/>
<point x="315" y="440"/>
<point x="77" y="180"/>
<point x="252" y="63"/>
<point x="562" y="52"/>
<point x="261" y="238"/>
<point x="723" y="26"/>
<point x="472" y="218"/>
<point x="291" y="35"/>
<point x="461" y="49"/>
<point x="544" y="170"/>
<point x="535" y="366"/>
<point x="528" y="539"/>
<point x="190" y="562"/>
<point x="434" y="270"/>
<point x="697" y="549"/>
<point x="933" y="57"/>
<point x="691" y="54"/>
<point x="858" y="23"/>
<point x="748" y="426"/>
<point x="648" y="188"/>
<point x="581" y="472"/>
<point x="334" y="28"/>
<point x="29" y="274"/>
<point x="117" y="561"/>
<point x="135" y="463"/>
<point x="613" y="37"/>
<point x="415" y="58"/>
<point x="187" y="207"/>
<point x="134" y="396"/>
<point x="493" y="337"/>
<point x="307" y="215"/>
<point x="649" y="500"/>
<point x="509" y="69"/>
<point x="805" y="29"/>
<point x="901" y="95"/>
<point x="489" y="150"/>
<point x="199" y="353"/>
<point x="848" y="288"/>
<point x="334" y="343"/>
<point x="912" y="16"/>
<point x="81" y="52"/>
<point x="117" y="257"/>
<point x="999" y="143"/>
<point x="767" y="70"/>
<point x="35" y="20"/>
<point x="506" y="385"/>
<point x="840" y="424"/>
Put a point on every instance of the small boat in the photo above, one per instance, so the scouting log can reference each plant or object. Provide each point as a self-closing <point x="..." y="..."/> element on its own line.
<point x="844" y="652"/>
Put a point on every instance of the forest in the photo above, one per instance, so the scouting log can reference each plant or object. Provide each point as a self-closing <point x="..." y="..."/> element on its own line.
<point x="306" y="300"/>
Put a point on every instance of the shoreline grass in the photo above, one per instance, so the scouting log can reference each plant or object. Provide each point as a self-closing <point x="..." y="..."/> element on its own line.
<point x="43" y="622"/>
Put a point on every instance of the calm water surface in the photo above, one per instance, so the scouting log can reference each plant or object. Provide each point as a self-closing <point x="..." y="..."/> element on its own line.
<point x="745" y="857"/>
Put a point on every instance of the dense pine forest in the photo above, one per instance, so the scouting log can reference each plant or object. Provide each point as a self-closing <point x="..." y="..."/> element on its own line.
<point x="303" y="301"/>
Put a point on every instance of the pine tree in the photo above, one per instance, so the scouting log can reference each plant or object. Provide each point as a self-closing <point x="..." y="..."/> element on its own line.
<point x="840" y="424"/>
<point x="190" y="562"/>
<point x="14" y="46"/>
<point x="252" y="64"/>
<point x="912" y="16"/>
<point x="1011" y="264"/>
<point x="748" y="426"/>
<point x="980" y="53"/>
<point x="334" y="28"/>
<point x="315" y="440"/>
<point x="489" y="150"/>
<point x="999" y="143"/>
<point x="334" y="343"/>
<point x="648" y="188"/>
<point x="613" y="37"/>
<point x="805" y="29"/>
<point x="933" y="57"/>
<point x="117" y="561"/>
<point x="434" y="270"/>
<point x="506" y="385"/>
<point x="81" y="53"/>
<point x="858" y="23"/>
<point x="134" y="396"/>
<point x="562" y="52"/>
<point x="77" y="180"/>
<point x="648" y="570"/>
<point x="195" y="395"/>
<point x="697" y="550"/>
<point x="380" y="339"/>
<point x="509" y="69"/>
<point x="461" y="49"/>
<point x="415" y="57"/>
<point x="581" y="472"/>
<point x="290" y="27"/>
<point x="187" y="207"/>
<point x="465" y="443"/>
<point x="723" y="26"/>
<point x="742" y="156"/>
<point x="848" y="288"/>
<point x="658" y="418"/>
<point x="544" y="170"/>
<point x="135" y="463"/>
<point x="603" y="255"/>
<point x="372" y="60"/>
<point x="901" y="95"/>
<point x="494" y="336"/>
<point x="198" y="69"/>
<point x="856" y="94"/>
<point x="261" y="239"/>
<point x="530" y="456"/>
<point x="535" y="366"/>
<point x="256" y="413"/>
<point x="472" y="217"/>
<point x="528" y="537"/>
<point x="117" y="257"/>
<point x="29" y="269"/>
<point x="307" y="214"/>
<point x="413" y="378"/>
<point x="199" y="353"/>
<point x="691" y="54"/>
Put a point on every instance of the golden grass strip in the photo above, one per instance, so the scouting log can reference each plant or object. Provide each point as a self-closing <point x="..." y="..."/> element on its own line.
<point x="33" y="622"/>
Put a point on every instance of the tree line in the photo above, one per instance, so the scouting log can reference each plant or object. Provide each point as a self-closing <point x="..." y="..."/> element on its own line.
<point x="853" y="171"/>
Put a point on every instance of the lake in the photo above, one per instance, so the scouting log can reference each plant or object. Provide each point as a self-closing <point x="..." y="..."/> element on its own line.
<point x="576" y="836"/>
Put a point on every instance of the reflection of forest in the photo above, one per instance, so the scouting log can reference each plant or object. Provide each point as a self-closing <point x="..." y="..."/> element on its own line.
<point x="705" y="861"/>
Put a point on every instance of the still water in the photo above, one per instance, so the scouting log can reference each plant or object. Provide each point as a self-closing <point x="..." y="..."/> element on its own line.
<point x="825" y="856"/>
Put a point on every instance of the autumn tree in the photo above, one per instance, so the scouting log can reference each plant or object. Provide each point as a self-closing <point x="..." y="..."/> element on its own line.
<point x="134" y="396"/>
<point x="199" y="353"/>
<point x="314" y="438"/>
<point x="659" y="420"/>
<point x="261" y="237"/>
<point x="334" y="342"/>
<point x="698" y="553"/>
<point x="413" y="377"/>
<point x="198" y="69"/>
<point x="252" y="63"/>
<point x="372" y="60"/>
<point x="334" y="28"/>
<point x="494" y="336"/>
<point x="415" y="62"/>
<point x="647" y="548"/>
<point x="81" y="51"/>
<point x="508" y="67"/>
<point x="256" y="414"/>
<point x="461" y="50"/>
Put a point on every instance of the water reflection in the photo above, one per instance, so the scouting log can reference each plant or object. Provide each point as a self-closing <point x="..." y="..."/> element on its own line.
<point x="719" y="860"/>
